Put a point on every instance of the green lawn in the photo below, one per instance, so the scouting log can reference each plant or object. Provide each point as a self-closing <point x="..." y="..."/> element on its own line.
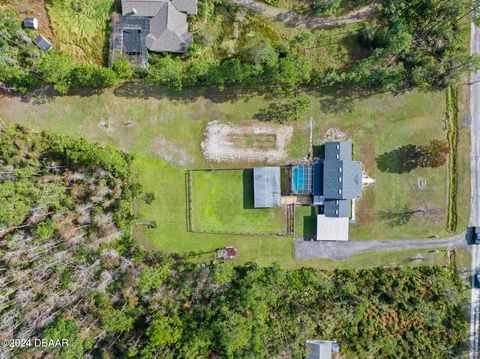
<point x="379" y="124"/>
<point x="165" y="130"/>
<point x="222" y="201"/>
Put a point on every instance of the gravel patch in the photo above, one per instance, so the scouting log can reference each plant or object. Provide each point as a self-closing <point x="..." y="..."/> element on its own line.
<point x="221" y="142"/>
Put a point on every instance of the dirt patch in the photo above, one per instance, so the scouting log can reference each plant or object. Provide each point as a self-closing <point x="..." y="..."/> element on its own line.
<point x="171" y="153"/>
<point x="250" y="142"/>
<point x="334" y="133"/>
<point x="31" y="8"/>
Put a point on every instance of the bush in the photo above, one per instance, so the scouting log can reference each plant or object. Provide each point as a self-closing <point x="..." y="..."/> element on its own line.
<point x="325" y="7"/>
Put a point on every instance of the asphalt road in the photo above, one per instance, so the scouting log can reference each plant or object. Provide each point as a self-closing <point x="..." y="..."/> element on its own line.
<point x="475" y="197"/>
<point x="343" y="250"/>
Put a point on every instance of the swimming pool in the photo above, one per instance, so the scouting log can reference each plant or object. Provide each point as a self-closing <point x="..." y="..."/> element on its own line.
<point x="302" y="179"/>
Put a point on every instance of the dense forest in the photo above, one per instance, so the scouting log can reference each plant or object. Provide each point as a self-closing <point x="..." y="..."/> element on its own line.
<point x="411" y="43"/>
<point x="70" y="270"/>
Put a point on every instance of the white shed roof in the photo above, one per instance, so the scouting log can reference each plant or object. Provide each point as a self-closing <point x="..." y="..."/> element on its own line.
<point x="332" y="228"/>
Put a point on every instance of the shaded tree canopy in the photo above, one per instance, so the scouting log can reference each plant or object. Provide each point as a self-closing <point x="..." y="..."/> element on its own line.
<point x="408" y="157"/>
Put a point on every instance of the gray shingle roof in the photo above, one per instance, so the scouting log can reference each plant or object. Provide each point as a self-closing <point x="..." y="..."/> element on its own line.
<point x="150" y="8"/>
<point x="147" y="8"/>
<point x="168" y="30"/>
<point x="168" y="22"/>
<point x="186" y="6"/>
<point x="42" y="43"/>
<point x="266" y="187"/>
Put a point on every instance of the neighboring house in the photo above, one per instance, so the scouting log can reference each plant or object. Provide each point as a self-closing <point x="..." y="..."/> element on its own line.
<point x="157" y="25"/>
<point x="42" y="43"/>
<point x="30" y="23"/>
<point x="320" y="349"/>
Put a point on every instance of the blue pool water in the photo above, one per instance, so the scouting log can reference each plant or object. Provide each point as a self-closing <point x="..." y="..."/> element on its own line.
<point x="299" y="180"/>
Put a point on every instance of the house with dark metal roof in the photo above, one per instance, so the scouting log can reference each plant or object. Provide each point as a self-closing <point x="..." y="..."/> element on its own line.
<point x="165" y="27"/>
<point x="266" y="187"/>
<point x="333" y="181"/>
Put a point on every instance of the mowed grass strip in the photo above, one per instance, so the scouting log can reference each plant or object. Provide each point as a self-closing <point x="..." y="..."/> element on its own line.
<point x="222" y="201"/>
<point x="81" y="27"/>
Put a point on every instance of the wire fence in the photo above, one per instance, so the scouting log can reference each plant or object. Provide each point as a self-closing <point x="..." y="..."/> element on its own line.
<point x="290" y="214"/>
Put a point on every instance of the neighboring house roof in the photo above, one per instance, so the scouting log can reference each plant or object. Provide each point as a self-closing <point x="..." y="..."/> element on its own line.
<point x="169" y="30"/>
<point x="186" y="6"/>
<point x="147" y="8"/>
<point x="266" y="187"/>
<point x="150" y="8"/>
<point x="332" y="228"/>
<point x="31" y="23"/>
<point x="42" y="43"/>
<point x="168" y="22"/>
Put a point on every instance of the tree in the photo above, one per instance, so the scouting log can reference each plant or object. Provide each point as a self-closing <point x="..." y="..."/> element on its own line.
<point x="259" y="53"/>
<point x="63" y="329"/>
<point x="284" y="112"/>
<point x="56" y="69"/>
<point x="168" y="71"/>
<point x="434" y="154"/>
<point x="294" y="69"/>
<point x="123" y="68"/>
<point x="325" y="7"/>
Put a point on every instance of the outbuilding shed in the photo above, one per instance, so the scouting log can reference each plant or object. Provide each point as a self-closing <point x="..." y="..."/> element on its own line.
<point x="42" y="43"/>
<point x="30" y="23"/>
<point x="267" y="188"/>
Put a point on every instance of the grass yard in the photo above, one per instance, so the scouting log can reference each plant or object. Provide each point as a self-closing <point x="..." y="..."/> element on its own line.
<point x="82" y="27"/>
<point x="398" y="205"/>
<point x="165" y="130"/>
<point x="222" y="201"/>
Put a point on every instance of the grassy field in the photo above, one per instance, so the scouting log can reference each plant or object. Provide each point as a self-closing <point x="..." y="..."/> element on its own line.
<point x="165" y="130"/>
<point x="399" y="205"/>
<point x="81" y="28"/>
<point x="222" y="201"/>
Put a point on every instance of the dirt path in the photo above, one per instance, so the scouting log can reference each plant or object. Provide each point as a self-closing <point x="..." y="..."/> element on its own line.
<point x="309" y="21"/>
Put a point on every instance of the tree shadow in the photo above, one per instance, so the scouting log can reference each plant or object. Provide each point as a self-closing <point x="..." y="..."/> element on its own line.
<point x="401" y="160"/>
<point x="248" y="195"/>
<point x="395" y="219"/>
<point x="143" y="89"/>
<point x="338" y="99"/>
<point x="310" y="225"/>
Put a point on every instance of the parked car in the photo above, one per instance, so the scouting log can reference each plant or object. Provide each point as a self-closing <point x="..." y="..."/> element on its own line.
<point x="476" y="281"/>
<point x="473" y="235"/>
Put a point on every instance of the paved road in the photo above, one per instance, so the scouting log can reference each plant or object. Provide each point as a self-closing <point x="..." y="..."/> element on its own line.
<point x="475" y="197"/>
<point x="309" y="21"/>
<point x="343" y="250"/>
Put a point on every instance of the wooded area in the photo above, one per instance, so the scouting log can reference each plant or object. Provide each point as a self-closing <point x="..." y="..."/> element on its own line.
<point x="70" y="270"/>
